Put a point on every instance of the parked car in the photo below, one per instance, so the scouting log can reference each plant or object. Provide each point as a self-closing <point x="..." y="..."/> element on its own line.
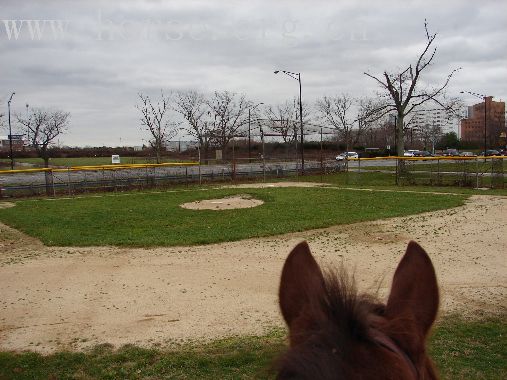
<point x="422" y="153"/>
<point x="491" y="152"/>
<point x="450" y="152"/>
<point x="467" y="154"/>
<point x="410" y="153"/>
<point x="347" y="156"/>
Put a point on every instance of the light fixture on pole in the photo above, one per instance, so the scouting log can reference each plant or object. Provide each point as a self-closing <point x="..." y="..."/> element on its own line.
<point x="28" y="121"/>
<point x="483" y="97"/>
<point x="10" y="130"/>
<point x="297" y="76"/>
<point x="249" y="140"/>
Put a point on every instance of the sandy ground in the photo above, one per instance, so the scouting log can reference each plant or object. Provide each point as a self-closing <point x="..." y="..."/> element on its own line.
<point x="228" y="203"/>
<point x="73" y="298"/>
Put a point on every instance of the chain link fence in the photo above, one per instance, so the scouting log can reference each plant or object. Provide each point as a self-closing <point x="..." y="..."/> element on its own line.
<point x="473" y="172"/>
<point x="55" y="182"/>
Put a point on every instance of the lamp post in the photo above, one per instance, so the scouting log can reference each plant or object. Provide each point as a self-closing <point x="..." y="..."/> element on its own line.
<point x="10" y="130"/>
<point x="28" y="129"/>
<point x="249" y="140"/>
<point x="297" y="76"/>
<point x="483" y="97"/>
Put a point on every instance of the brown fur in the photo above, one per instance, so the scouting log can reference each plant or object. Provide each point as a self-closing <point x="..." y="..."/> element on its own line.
<point x="335" y="333"/>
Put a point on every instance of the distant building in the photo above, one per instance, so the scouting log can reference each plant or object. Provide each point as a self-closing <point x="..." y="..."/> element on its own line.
<point x="432" y="118"/>
<point x="472" y="128"/>
<point x="180" y="146"/>
<point x="17" y="143"/>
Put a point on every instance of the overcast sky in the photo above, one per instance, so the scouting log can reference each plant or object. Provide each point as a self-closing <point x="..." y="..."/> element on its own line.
<point x="110" y="51"/>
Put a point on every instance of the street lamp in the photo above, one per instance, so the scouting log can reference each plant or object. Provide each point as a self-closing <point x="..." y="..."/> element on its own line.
<point x="485" y="115"/>
<point x="297" y="76"/>
<point x="10" y="130"/>
<point x="249" y="140"/>
<point x="27" y="119"/>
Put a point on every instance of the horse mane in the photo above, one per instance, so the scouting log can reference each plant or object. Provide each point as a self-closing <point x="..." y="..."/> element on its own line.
<point x="337" y="333"/>
<point x="348" y="320"/>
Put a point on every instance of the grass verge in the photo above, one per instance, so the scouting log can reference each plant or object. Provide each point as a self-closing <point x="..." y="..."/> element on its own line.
<point x="461" y="350"/>
<point x="86" y="161"/>
<point x="156" y="219"/>
<point x="387" y="181"/>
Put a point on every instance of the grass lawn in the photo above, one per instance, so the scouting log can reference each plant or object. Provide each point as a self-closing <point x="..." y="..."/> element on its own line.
<point x="461" y="350"/>
<point x="467" y="165"/>
<point x="387" y="181"/>
<point x="86" y="161"/>
<point x="155" y="219"/>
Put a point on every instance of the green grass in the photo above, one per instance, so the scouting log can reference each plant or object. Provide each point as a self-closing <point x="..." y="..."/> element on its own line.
<point x="471" y="350"/>
<point x="461" y="350"/>
<point x="84" y="161"/>
<point x="156" y="219"/>
<point x="387" y="181"/>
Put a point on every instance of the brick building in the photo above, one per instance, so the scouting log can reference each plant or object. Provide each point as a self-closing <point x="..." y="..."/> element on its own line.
<point x="472" y="128"/>
<point x="17" y="143"/>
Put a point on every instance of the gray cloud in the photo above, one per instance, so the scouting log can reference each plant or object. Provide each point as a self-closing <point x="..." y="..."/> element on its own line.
<point x="112" y="50"/>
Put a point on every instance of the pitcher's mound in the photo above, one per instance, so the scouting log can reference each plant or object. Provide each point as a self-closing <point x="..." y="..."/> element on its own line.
<point x="228" y="203"/>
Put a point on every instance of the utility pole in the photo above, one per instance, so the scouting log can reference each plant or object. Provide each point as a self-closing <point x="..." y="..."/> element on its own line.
<point x="28" y="129"/>
<point x="10" y="130"/>
<point x="297" y="76"/>
<point x="249" y="138"/>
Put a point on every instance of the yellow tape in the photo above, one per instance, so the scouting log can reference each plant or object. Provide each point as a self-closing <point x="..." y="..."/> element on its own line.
<point x="99" y="167"/>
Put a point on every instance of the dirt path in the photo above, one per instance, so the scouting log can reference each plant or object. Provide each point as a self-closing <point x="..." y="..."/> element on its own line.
<point x="56" y="298"/>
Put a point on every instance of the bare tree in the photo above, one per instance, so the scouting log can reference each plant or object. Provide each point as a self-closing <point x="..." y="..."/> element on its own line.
<point x="153" y="118"/>
<point x="283" y="120"/>
<point x="430" y="134"/>
<point x="229" y="112"/>
<point x="192" y="106"/>
<point x="44" y="126"/>
<point x="404" y="93"/>
<point x="337" y="112"/>
<point x="366" y="120"/>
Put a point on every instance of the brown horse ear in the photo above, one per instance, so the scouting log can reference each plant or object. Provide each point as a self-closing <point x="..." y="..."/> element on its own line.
<point x="301" y="285"/>
<point x="414" y="295"/>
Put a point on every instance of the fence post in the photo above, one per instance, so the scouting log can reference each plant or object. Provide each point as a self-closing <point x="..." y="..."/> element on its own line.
<point x="431" y="172"/>
<point x="491" y="176"/>
<point x="438" y="173"/>
<point x="68" y="178"/>
<point x="114" y="179"/>
<point x="397" y="171"/>
<point x="476" y="172"/>
<point x="200" y="178"/>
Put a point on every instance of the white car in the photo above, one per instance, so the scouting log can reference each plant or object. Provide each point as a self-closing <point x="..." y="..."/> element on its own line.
<point x="347" y="156"/>
<point x="410" y="153"/>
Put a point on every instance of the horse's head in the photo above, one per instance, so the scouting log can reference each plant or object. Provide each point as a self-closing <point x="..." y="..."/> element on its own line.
<point x="335" y="333"/>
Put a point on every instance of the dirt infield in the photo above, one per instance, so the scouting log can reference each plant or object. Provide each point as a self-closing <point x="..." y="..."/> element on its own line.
<point x="72" y="298"/>
<point x="228" y="203"/>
